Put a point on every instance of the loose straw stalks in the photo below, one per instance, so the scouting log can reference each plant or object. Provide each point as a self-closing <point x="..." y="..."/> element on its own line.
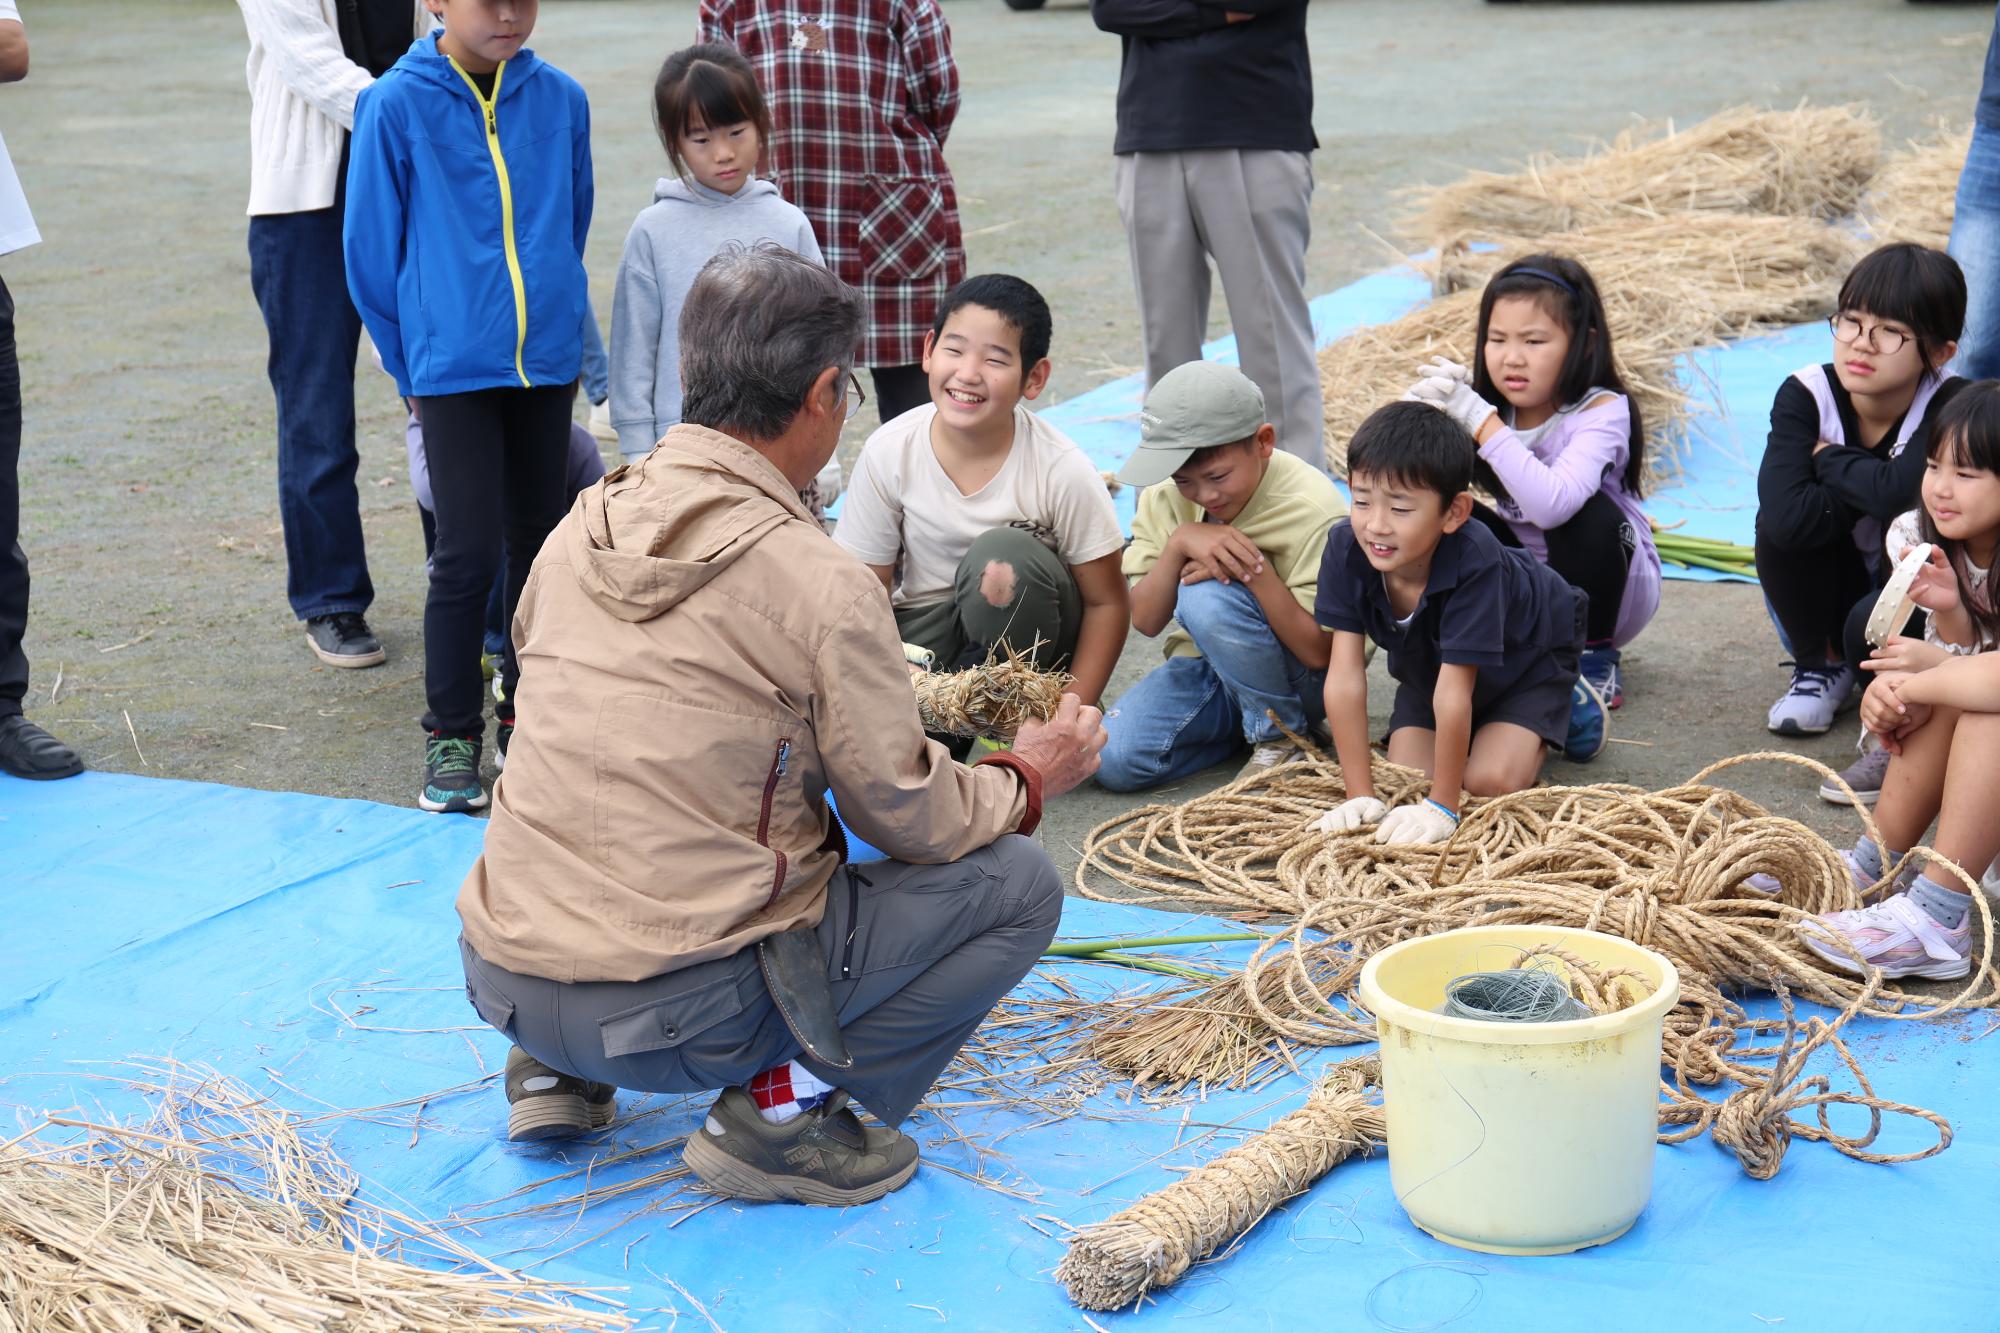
<point x="217" y="1215"/>
<point x="1113" y="1263"/>
<point x="991" y="700"/>
<point x="1916" y="195"/>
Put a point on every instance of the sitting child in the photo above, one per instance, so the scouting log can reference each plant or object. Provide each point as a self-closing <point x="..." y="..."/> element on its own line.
<point x="1227" y="542"/>
<point x="1006" y="536"/>
<point x="1561" y="449"/>
<point x="1935" y="705"/>
<point x="1483" y="639"/>
<point x="1845" y="456"/>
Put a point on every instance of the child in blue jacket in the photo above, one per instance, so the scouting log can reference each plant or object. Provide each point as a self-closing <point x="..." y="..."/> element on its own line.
<point x="468" y="201"/>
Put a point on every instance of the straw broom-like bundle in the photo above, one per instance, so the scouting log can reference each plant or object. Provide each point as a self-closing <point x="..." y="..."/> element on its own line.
<point x="218" y="1216"/>
<point x="1669" y="285"/>
<point x="991" y="700"/>
<point x="1809" y="162"/>
<point x="1915" y="196"/>
<point x="1112" y="1264"/>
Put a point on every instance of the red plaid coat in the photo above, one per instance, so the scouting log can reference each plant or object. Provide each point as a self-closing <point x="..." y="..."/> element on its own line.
<point x="862" y="94"/>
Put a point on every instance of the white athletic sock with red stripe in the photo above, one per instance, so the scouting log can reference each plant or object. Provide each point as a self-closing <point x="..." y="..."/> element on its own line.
<point x="787" y="1091"/>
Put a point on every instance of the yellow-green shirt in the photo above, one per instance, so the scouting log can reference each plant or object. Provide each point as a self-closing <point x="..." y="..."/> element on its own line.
<point x="1287" y="517"/>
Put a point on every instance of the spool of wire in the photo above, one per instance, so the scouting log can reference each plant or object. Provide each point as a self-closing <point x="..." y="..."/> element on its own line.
<point x="1517" y="995"/>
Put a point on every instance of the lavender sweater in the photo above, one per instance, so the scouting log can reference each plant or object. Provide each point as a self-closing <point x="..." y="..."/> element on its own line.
<point x="1551" y="470"/>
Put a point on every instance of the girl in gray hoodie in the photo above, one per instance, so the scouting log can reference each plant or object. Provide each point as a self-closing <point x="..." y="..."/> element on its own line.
<point x="713" y="122"/>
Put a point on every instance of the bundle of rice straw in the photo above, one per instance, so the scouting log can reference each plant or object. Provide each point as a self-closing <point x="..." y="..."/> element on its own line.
<point x="1808" y="162"/>
<point x="217" y="1216"/>
<point x="1915" y="196"/>
<point x="991" y="700"/>
<point x="1669" y="285"/>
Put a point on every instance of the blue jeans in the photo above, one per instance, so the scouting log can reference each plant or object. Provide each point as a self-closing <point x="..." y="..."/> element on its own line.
<point x="596" y="365"/>
<point x="1191" y="712"/>
<point x="300" y="282"/>
<point x="1975" y="244"/>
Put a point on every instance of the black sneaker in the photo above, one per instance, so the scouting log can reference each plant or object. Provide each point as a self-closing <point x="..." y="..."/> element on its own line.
<point x="824" y="1156"/>
<point x="451" y="775"/>
<point x="27" y="751"/>
<point x="544" y="1103"/>
<point x="503" y="735"/>
<point x="343" y="640"/>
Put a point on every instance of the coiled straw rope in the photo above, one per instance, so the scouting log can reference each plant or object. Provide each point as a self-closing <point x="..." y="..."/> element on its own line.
<point x="1663" y="869"/>
<point x="1111" y="1264"/>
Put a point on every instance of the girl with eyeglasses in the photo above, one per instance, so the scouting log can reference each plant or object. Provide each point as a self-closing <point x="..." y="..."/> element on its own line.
<point x="1846" y="456"/>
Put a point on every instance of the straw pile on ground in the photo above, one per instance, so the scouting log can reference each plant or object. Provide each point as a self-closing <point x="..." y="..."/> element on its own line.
<point x="991" y="700"/>
<point x="1669" y="285"/>
<point x="1810" y="162"/>
<point x="217" y="1216"/>
<point x="1915" y="196"/>
<point x="1663" y="869"/>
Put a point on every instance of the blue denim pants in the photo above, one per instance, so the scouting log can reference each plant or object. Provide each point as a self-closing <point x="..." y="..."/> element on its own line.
<point x="1975" y="244"/>
<point x="1191" y="712"/>
<point x="300" y="281"/>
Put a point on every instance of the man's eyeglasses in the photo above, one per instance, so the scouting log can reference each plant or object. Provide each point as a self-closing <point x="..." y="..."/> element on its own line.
<point x="1887" y="341"/>
<point x="856" y="395"/>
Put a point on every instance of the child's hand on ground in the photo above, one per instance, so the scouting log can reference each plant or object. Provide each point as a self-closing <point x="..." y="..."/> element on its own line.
<point x="1351" y="814"/>
<point x="1219" y="550"/>
<point x="1416" y="825"/>
<point x="1905" y="654"/>
<point x="1936" y="588"/>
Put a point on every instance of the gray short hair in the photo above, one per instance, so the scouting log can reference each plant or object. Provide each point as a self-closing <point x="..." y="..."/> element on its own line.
<point x="757" y="328"/>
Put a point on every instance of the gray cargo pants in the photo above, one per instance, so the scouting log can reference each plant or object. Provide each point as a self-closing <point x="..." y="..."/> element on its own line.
<point x="916" y="955"/>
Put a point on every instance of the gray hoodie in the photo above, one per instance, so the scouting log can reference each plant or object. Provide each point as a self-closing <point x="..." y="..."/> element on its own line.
<point x="682" y="230"/>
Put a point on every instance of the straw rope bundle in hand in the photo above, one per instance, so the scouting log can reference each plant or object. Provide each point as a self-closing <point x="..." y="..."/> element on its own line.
<point x="1111" y="1264"/>
<point x="991" y="700"/>
<point x="217" y="1216"/>
<point x="1809" y="162"/>
<point x="1915" y="198"/>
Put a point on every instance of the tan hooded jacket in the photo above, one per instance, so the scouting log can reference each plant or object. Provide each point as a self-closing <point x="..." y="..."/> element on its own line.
<point x="700" y="666"/>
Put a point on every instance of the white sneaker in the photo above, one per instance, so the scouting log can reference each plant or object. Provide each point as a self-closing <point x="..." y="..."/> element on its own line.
<point x="600" y="423"/>
<point x="1895" y="935"/>
<point x="1816" y="696"/>
<point x="1269" y="755"/>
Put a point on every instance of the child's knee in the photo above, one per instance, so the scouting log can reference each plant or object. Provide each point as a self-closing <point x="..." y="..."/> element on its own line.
<point x="1205" y="608"/>
<point x="1121" y="765"/>
<point x="1489" y="776"/>
<point x="996" y="583"/>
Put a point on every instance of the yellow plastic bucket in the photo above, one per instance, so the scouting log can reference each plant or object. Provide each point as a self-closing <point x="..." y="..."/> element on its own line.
<point x="1517" y="1138"/>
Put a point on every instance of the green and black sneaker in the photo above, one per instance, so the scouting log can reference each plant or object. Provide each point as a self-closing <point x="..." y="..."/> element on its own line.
<point x="451" y="775"/>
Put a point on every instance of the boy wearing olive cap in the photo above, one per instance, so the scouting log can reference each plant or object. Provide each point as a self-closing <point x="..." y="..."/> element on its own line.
<point x="1227" y="542"/>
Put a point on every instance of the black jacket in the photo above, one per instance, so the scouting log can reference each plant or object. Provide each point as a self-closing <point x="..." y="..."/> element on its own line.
<point x="1191" y="79"/>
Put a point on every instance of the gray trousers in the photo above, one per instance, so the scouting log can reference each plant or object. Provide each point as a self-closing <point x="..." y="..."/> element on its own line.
<point x="1046" y="607"/>
<point x="916" y="956"/>
<point x="1251" y="212"/>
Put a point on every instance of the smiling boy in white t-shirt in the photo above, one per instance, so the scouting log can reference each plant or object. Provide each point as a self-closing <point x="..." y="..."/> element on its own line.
<point x="1004" y="531"/>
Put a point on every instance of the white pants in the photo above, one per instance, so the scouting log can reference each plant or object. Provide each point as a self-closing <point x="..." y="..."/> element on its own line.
<point x="1249" y="211"/>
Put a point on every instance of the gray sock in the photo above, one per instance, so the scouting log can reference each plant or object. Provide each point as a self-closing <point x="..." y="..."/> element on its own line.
<point x="1947" y="907"/>
<point x="1868" y="858"/>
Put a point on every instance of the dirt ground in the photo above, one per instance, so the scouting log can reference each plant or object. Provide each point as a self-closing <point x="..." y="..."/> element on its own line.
<point x="149" y="474"/>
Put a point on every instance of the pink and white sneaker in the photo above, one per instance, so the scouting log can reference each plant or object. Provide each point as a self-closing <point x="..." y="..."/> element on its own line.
<point x="1895" y="935"/>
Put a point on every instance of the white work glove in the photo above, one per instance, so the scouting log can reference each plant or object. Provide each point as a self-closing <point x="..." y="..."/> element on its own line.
<point x="1457" y="400"/>
<point x="1350" y="815"/>
<point x="1423" y="822"/>
<point x="1444" y="368"/>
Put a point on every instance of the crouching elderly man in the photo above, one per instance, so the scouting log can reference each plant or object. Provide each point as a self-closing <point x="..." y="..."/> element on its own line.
<point x="663" y="902"/>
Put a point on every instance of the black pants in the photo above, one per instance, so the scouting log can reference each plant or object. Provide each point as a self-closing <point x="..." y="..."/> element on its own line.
<point x="13" y="560"/>
<point x="1593" y="553"/>
<point x="1821" y="596"/>
<point x="498" y="462"/>
<point x="898" y="389"/>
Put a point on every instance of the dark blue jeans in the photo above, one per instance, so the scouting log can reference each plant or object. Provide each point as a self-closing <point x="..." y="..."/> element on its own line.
<point x="300" y="281"/>
<point x="1975" y="244"/>
<point x="1191" y="712"/>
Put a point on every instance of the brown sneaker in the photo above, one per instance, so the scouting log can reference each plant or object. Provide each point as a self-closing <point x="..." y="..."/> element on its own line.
<point x="824" y="1156"/>
<point x="544" y="1103"/>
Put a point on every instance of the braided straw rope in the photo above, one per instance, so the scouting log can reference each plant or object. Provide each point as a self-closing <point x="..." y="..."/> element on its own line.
<point x="1664" y="869"/>
<point x="1111" y="1264"/>
<point x="990" y="700"/>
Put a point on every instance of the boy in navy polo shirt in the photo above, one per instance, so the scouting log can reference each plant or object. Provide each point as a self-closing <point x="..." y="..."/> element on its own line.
<point x="1482" y="639"/>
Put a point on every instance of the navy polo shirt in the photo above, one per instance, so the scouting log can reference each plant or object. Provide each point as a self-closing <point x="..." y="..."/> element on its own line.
<point x="1485" y="605"/>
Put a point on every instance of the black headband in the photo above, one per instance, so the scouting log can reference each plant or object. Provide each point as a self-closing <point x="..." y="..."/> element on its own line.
<point x="1545" y="276"/>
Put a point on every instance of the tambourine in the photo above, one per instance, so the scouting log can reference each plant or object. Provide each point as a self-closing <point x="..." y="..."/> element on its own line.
<point x="1894" y="607"/>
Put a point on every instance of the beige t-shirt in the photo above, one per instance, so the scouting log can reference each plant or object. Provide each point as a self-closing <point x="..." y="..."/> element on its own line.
<point x="900" y="502"/>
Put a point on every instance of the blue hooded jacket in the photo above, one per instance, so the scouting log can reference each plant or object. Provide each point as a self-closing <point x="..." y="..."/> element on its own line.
<point x="466" y="223"/>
